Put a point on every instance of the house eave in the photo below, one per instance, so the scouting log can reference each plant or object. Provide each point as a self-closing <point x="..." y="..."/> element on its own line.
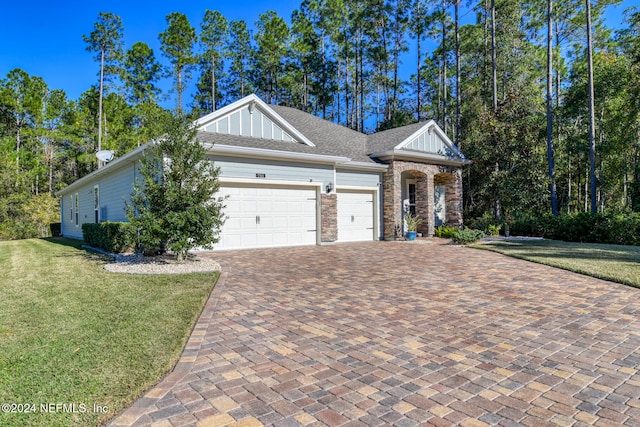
<point x="396" y="154"/>
<point x="262" y="153"/>
<point x="131" y="156"/>
<point x="363" y="166"/>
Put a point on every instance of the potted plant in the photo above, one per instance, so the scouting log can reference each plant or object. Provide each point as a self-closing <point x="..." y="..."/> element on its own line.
<point x="412" y="221"/>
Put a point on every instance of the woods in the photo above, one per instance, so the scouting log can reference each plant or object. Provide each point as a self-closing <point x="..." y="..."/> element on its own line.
<point x="507" y="80"/>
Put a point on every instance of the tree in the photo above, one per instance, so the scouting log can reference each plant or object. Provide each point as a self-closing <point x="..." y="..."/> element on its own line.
<point x="272" y="42"/>
<point x="240" y="54"/>
<point x="173" y="202"/>
<point x="550" y="157"/>
<point x="141" y="72"/>
<point x="592" y="120"/>
<point x="106" y="41"/>
<point x="213" y="37"/>
<point x="177" y="45"/>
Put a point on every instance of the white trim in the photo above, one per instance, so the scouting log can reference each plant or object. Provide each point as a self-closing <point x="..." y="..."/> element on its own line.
<point x="419" y="156"/>
<point x="355" y="188"/>
<point x="376" y="204"/>
<point x="363" y="166"/>
<point x="252" y="182"/>
<point x="269" y="182"/>
<point x="275" y="118"/>
<point x="263" y="153"/>
<point x="426" y="128"/>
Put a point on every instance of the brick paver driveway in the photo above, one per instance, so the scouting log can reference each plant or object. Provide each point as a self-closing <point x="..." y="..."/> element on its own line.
<point x="391" y="333"/>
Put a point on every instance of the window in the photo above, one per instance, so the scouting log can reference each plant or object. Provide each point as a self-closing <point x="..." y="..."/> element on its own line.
<point x="96" y="205"/>
<point x="76" y="210"/>
<point x="71" y="208"/>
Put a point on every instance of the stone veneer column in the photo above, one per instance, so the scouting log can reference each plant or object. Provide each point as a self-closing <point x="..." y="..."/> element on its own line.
<point x="329" y="212"/>
<point x="392" y="193"/>
<point x="453" y="200"/>
<point x="424" y="203"/>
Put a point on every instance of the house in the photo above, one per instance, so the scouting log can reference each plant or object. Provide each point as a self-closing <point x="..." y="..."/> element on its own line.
<point x="291" y="178"/>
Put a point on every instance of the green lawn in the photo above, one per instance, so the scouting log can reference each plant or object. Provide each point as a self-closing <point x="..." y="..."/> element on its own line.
<point x="610" y="262"/>
<point x="72" y="333"/>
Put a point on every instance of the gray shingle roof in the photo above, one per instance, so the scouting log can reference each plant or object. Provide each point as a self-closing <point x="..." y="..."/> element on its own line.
<point x="387" y="139"/>
<point x="330" y="139"/>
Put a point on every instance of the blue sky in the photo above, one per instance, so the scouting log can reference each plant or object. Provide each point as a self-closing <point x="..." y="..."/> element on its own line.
<point x="44" y="38"/>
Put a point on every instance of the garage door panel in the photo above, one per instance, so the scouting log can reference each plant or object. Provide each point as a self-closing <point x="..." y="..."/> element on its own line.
<point x="355" y="216"/>
<point x="268" y="216"/>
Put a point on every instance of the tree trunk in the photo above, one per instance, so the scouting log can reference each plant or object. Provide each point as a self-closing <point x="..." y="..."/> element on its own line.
<point x="100" y="105"/>
<point x="550" y="154"/>
<point x="494" y="95"/>
<point x="458" y="89"/>
<point x="444" y="69"/>
<point x="592" y="132"/>
<point x="213" y="82"/>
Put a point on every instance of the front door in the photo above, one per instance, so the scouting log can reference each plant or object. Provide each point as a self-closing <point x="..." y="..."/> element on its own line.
<point x="439" y="205"/>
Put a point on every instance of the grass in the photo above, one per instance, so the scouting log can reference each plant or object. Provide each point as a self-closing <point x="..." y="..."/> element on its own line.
<point x="610" y="262"/>
<point x="72" y="333"/>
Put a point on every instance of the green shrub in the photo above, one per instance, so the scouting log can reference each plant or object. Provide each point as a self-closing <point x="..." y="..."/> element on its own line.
<point x="620" y="229"/>
<point x="494" y="230"/>
<point x="467" y="235"/>
<point x="112" y="237"/>
<point x="445" y="232"/>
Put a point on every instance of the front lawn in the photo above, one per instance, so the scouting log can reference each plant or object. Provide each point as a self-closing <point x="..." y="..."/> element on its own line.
<point x="77" y="343"/>
<point x="610" y="262"/>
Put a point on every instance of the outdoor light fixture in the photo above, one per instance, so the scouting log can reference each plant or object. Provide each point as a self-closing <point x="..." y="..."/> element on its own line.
<point x="329" y="187"/>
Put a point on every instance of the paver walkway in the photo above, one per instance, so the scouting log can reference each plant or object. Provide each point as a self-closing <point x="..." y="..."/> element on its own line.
<point x="393" y="333"/>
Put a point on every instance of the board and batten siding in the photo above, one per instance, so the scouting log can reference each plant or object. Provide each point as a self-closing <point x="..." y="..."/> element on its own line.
<point x="254" y="124"/>
<point x="354" y="178"/>
<point x="113" y="189"/>
<point x="232" y="167"/>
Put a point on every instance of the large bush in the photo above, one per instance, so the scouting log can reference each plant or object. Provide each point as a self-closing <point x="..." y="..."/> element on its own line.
<point x="112" y="237"/>
<point x="173" y="201"/>
<point x="620" y="229"/>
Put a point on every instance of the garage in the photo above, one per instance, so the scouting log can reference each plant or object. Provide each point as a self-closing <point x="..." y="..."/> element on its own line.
<point x="355" y="216"/>
<point x="268" y="216"/>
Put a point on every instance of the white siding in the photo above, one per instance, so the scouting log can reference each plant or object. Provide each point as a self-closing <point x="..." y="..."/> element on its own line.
<point x="231" y="167"/>
<point x="358" y="178"/>
<point x="115" y="187"/>
<point x="429" y="142"/>
<point x="253" y="124"/>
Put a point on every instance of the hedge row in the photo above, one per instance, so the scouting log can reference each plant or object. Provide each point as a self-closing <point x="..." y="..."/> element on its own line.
<point x="619" y="229"/>
<point x="112" y="237"/>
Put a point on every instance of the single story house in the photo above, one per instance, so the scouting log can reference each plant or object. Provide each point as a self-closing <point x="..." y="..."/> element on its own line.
<point x="291" y="178"/>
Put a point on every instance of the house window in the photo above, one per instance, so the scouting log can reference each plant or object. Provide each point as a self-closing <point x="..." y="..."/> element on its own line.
<point x="71" y="208"/>
<point x="76" y="205"/>
<point x="96" y="205"/>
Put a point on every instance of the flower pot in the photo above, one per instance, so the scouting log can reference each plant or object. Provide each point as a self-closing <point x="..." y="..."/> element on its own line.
<point x="411" y="235"/>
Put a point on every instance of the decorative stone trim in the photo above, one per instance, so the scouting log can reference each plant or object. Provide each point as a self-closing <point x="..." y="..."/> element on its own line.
<point x="329" y="212"/>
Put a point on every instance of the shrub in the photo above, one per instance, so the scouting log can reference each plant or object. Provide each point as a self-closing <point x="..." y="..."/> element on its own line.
<point x="445" y="232"/>
<point x="620" y="229"/>
<point x="467" y="235"/>
<point x="112" y="237"/>
<point x="494" y="230"/>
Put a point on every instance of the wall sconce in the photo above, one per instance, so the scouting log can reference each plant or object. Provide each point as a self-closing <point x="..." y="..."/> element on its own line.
<point x="252" y="105"/>
<point x="329" y="187"/>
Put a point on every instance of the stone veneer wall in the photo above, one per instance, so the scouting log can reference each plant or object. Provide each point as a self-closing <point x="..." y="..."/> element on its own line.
<point x="329" y="212"/>
<point x="450" y="176"/>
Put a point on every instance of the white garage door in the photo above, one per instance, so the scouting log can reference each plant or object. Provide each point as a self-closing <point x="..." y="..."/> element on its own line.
<point x="260" y="217"/>
<point x="355" y="216"/>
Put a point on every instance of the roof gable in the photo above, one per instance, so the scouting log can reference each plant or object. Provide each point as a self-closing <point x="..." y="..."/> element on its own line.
<point x="430" y="139"/>
<point x="253" y="118"/>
